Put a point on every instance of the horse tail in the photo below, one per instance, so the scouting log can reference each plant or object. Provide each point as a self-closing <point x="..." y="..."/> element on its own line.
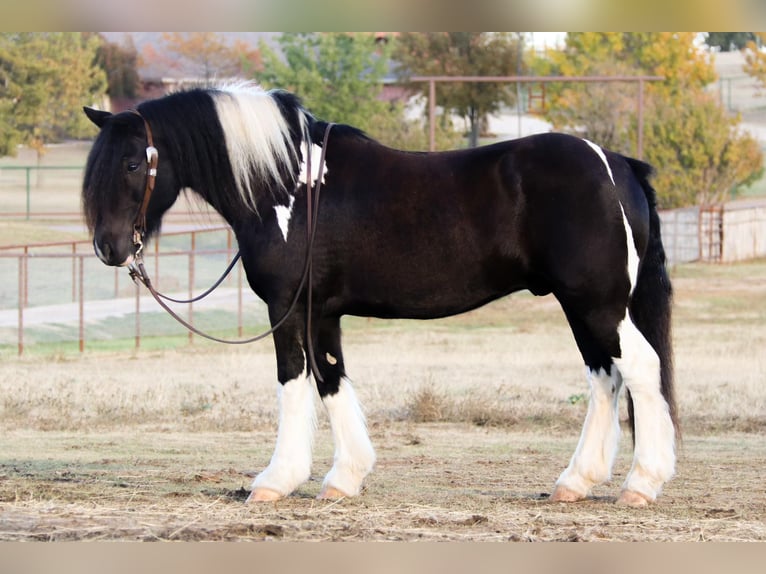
<point x="651" y="302"/>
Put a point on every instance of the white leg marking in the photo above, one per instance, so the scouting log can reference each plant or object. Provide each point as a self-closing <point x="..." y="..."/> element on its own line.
<point x="316" y="154"/>
<point x="290" y="464"/>
<point x="594" y="457"/>
<point x="284" y="213"/>
<point x="354" y="455"/>
<point x="654" y="455"/>
<point x="602" y="155"/>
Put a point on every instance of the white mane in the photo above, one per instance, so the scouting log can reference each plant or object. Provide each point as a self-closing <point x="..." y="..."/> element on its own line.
<point x="257" y="136"/>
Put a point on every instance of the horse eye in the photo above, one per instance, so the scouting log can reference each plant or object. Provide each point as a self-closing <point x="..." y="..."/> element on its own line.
<point x="133" y="166"/>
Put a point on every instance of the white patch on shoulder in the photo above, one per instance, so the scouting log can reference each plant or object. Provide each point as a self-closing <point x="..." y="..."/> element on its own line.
<point x="632" y="252"/>
<point x="284" y="213"/>
<point x="600" y="153"/>
<point x="316" y="154"/>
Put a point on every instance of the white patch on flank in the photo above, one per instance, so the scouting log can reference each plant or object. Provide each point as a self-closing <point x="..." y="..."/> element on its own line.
<point x="284" y="213"/>
<point x="632" y="252"/>
<point x="290" y="464"/>
<point x="316" y="154"/>
<point x="354" y="455"/>
<point x="654" y="453"/>
<point x="257" y="136"/>
<point x="594" y="457"/>
<point x="600" y="153"/>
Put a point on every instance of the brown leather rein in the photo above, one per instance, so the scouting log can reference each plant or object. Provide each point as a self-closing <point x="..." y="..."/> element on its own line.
<point x="138" y="270"/>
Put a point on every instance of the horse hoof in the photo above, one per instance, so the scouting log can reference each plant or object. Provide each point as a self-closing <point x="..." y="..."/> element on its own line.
<point x="564" y="494"/>
<point x="633" y="498"/>
<point x="331" y="493"/>
<point x="263" y="495"/>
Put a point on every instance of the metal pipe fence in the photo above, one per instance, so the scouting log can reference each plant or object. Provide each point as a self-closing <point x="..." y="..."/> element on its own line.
<point x="65" y="295"/>
<point x="61" y="293"/>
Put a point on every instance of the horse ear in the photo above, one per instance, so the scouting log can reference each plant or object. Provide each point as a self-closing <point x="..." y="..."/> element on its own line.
<point x="98" y="117"/>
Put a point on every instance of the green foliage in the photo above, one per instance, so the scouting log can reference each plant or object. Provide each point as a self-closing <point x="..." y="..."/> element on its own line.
<point x="704" y="157"/>
<point x="462" y="54"/>
<point x="339" y="77"/>
<point x="729" y="41"/>
<point x="700" y="154"/>
<point x="120" y="64"/>
<point x="45" y="79"/>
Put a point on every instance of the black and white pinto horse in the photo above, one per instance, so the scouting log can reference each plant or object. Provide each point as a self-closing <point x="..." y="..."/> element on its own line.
<point x="409" y="235"/>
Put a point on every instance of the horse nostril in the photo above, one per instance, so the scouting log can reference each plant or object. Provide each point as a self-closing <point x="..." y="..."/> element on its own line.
<point x="103" y="251"/>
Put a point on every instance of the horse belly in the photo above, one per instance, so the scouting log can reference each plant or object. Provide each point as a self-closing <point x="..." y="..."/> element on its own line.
<point x="426" y="288"/>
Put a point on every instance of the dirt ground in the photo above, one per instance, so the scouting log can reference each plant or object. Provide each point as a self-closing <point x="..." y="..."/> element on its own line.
<point x="433" y="482"/>
<point x="473" y="418"/>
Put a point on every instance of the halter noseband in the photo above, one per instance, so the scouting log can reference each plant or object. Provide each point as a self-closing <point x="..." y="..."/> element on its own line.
<point x="152" y="159"/>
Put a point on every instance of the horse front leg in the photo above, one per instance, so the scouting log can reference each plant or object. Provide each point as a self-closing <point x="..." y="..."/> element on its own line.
<point x="354" y="455"/>
<point x="290" y="464"/>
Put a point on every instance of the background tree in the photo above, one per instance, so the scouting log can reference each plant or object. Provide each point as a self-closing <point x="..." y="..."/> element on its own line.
<point x="755" y="58"/>
<point x="463" y="54"/>
<point x="207" y="55"/>
<point x="45" y="78"/>
<point x="120" y="64"/>
<point x="729" y="41"/>
<point x="698" y="150"/>
<point x="339" y="77"/>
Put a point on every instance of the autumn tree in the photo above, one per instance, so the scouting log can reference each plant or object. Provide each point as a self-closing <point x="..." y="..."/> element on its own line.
<point x="462" y="54"/>
<point x="755" y="58"/>
<point x="339" y="77"/>
<point x="45" y="78"/>
<point x="699" y="151"/>
<point x="207" y="55"/>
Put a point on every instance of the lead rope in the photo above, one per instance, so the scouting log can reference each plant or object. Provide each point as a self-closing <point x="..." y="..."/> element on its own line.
<point x="138" y="271"/>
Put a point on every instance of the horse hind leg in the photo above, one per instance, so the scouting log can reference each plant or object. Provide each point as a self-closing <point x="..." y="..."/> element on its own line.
<point x="593" y="459"/>
<point x="654" y="450"/>
<point x="354" y="455"/>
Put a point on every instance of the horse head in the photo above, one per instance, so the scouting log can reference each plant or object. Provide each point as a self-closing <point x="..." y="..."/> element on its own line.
<point x="116" y="198"/>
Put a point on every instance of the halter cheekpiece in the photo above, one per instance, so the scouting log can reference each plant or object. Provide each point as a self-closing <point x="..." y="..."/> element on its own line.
<point x="152" y="159"/>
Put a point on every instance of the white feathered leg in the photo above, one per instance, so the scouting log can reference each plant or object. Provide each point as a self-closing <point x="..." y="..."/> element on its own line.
<point x="354" y="455"/>
<point x="290" y="464"/>
<point x="654" y="454"/>
<point x="594" y="456"/>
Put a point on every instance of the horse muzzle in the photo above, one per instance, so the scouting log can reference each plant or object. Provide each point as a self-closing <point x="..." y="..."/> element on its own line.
<point x="114" y="254"/>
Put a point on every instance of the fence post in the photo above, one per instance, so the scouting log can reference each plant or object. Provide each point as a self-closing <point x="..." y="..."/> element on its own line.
<point x="82" y="304"/>
<point x="191" y="282"/>
<point x="22" y="269"/>
<point x="138" y="315"/>
<point x="29" y="194"/>
<point x="74" y="263"/>
<point x="26" y="283"/>
<point x="239" y="300"/>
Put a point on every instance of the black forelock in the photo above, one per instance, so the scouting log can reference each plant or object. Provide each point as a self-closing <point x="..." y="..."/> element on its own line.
<point x="103" y="166"/>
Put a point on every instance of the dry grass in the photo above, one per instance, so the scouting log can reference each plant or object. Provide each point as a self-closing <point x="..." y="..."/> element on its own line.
<point x="472" y="424"/>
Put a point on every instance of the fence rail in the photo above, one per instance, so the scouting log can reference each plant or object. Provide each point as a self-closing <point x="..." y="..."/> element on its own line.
<point x="98" y="303"/>
<point x="61" y="293"/>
